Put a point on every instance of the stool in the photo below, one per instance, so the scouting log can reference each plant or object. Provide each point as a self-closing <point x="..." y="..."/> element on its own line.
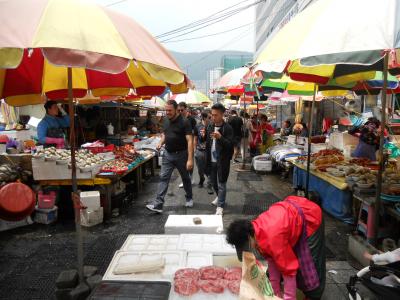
<point x="366" y="221"/>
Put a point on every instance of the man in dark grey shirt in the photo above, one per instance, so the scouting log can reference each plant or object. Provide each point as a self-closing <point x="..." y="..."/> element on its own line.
<point x="178" y="139"/>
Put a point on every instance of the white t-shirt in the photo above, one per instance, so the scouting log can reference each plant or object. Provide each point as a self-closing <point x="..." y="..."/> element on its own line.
<point x="214" y="147"/>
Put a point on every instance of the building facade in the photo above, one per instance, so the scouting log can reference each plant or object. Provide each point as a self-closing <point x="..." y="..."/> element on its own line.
<point x="272" y="15"/>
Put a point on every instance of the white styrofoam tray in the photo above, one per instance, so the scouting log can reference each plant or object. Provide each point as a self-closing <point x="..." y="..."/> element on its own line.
<point x="152" y="242"/>
<point x="197" y="260"/>
<point x="178" y="224"/>
<point x="174" y="260"/>
<point x="212" y="243"/>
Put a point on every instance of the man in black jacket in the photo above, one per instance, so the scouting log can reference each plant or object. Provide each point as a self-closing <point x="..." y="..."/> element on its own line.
<point x="219" y="149"/>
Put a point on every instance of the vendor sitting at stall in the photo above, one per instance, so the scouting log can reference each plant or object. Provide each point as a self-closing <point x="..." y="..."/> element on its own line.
<point x="368" y="142"/>
<point x="290" y="236"/>
<point x="50" y="130"/>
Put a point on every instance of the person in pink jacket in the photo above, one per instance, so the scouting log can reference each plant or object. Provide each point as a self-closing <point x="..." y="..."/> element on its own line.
<point x="290" y="236"/>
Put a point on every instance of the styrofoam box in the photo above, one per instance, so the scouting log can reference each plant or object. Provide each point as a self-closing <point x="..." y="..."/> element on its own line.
<point x="45" y="216"/>
<point x="174" y="260"/>
<point x="91" y="199"/>
<point x="212" y="243"/>
<point x="198" y="260"/>
<point x="262" y="165"/>
<point x="155" y="242"/>
<point x="50" y="170"/>
<point x="91" y="218"/>
<point x="177" y="224"/>
<point x="7" y="225"/>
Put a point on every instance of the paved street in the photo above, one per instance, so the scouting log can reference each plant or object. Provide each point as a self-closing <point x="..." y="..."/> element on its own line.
<point x="32" y="257"/>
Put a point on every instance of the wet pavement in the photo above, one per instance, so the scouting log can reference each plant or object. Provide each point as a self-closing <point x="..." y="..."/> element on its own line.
<point x="31" y="257"/>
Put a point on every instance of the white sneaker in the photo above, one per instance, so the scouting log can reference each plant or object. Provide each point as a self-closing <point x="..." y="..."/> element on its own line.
<point x="220" y="211"/>
<point x="215" y="202"/>
<point x="189" y="203"/>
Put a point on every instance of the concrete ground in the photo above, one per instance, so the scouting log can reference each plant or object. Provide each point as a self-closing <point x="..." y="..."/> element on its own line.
<point x="32" y="257"/>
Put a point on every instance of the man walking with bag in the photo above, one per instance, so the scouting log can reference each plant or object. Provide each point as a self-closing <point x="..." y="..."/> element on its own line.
<point x="178" y="139"/>
<point x="219" y="149"/>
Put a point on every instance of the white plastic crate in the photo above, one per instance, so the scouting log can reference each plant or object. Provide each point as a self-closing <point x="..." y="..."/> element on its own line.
<point x="177" y="224"/>
<point x="174" y="260"/>
<point x="211" y="243"/>
<point x="198" y="260"/>
<point x="154" y="242"/>
<point x="90" y="199"/>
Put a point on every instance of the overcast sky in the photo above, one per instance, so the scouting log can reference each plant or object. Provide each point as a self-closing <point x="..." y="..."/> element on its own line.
<point x="160" y="16"/>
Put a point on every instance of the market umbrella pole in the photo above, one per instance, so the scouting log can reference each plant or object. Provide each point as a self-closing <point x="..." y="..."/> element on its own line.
<point x="310" y="125"/>
<point x="381" y="158"/>
<point x="75" y="198"/>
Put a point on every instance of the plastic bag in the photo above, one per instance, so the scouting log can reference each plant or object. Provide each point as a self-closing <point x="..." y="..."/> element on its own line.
<point x="255" y="284"/>
<point x="394" y="150"/>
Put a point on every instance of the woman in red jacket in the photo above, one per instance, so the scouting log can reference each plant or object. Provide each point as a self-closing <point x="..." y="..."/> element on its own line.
<point x="290" y="236"/>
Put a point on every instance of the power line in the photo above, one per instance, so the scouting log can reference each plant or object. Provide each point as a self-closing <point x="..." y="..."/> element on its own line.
<point x="204" y="26"/>
<point x="115" y="3"/>
<point x="239" y="36"/>
<point x="229" y="42"/>
<point x="198" y="21"/>
<point x="204" y="36"/>
<point x="207" y="21"/>
<point x="171" y="40"/>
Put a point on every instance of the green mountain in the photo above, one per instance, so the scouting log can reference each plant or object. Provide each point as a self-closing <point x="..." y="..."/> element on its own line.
<point x="196" y="64"/>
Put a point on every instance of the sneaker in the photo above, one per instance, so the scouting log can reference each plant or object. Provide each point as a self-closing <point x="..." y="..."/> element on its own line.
<point x="219" y="211"/>
<point x="155" y="208"/>
<point x="215" y="202"/>
<point x="210" y="190"/>
<point x="189" y="203"/>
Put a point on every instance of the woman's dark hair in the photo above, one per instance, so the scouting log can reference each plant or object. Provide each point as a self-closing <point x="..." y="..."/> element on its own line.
<point x="219" y="106"/>
<point x="246" y="116"/>
<point x="374" y="121"/>
<point x="288" y="123"/>
<point x="204" y="115"/>
<point x="49" y="104"/>
<point x="264" y="118"/>
<point x="238" y="232"/>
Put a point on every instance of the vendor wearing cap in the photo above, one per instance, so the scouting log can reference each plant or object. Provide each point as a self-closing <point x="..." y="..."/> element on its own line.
<point x="290" y="236"/>
<point x="51" y="128"/>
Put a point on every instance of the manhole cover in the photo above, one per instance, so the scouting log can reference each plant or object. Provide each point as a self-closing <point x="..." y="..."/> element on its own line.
<point x="257" y="203"/>
<point x="248" y="176"/>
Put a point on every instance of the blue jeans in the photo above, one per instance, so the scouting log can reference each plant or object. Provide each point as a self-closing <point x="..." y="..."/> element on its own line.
<point x="219" y="187"/>
<point x="170" y="161"/>
<point x="201" y="164"/>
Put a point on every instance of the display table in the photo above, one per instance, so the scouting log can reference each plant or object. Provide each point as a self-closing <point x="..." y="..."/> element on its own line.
<point x="336" y="198"/>
<point x="108" y="181"/>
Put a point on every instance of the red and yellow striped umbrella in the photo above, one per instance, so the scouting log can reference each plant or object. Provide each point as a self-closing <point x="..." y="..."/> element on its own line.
<point x="109" y="53"/>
